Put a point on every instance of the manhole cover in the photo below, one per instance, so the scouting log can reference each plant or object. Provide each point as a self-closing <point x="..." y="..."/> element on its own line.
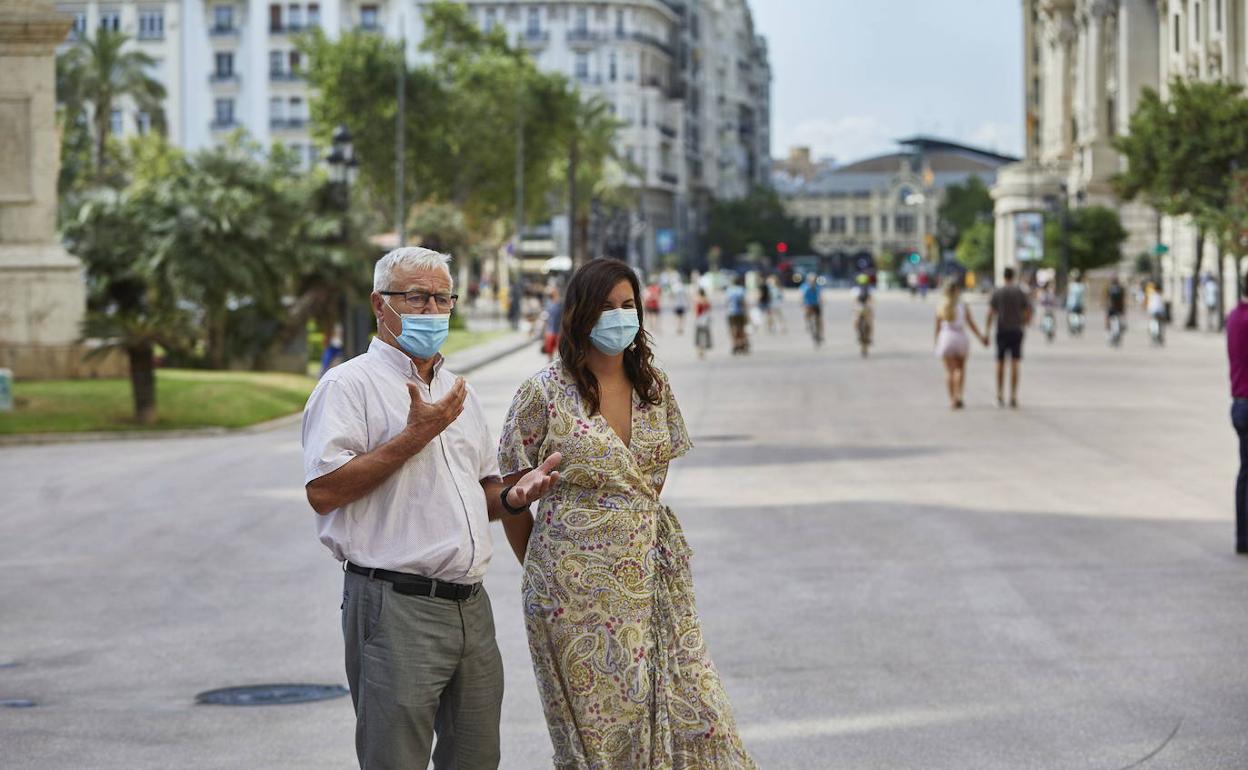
<point x="17" y="703"/>
<point x="270" y="694"/>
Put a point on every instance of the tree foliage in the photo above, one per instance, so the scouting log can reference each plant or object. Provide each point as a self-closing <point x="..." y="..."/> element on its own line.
<point x="963" y="206"/>
<point x="1094" y="238"/>
<point x="758" y="218"/>
<point x="975" y="246"/>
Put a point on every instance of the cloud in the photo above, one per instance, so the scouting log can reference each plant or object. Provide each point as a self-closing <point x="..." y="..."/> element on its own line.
<point x="847" y="139"/>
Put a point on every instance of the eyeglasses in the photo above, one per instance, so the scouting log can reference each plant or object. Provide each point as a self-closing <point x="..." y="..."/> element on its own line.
<point x="418" y="300"/>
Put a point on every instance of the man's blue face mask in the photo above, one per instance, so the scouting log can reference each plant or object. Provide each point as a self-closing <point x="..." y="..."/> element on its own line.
<point x="423" y="333"/>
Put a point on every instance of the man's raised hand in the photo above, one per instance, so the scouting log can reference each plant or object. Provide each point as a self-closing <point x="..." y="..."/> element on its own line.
<point x="536" y="483"/>
<point x="425" y="421"/>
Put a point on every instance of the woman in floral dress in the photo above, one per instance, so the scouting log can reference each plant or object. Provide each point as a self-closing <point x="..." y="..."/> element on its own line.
<point x="624" y="674"/>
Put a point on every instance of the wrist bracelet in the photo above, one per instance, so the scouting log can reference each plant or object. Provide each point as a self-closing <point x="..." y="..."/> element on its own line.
<point x="506" y="506"/>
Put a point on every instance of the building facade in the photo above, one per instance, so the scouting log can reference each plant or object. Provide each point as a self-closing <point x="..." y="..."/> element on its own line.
<point x="688" y="79"/>
<point x="880" y="210"/>
<point x="1086" y="64"/>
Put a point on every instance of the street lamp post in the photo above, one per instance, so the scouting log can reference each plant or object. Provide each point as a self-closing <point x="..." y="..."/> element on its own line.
<point x="356" y="326"/>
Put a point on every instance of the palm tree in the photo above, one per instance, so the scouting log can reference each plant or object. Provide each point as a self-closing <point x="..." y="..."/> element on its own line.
<point x="96" y="75"/>
<point x="591" y="150"/>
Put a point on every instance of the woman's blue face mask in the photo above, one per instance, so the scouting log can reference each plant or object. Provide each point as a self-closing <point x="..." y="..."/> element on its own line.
<point x="615" y="330"/>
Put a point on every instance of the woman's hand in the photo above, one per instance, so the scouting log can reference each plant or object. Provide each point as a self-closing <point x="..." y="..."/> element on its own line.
<point x="535" y="484"/>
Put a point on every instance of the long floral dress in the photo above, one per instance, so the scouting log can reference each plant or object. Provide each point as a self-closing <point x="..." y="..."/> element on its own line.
<point x="624" y="674"/>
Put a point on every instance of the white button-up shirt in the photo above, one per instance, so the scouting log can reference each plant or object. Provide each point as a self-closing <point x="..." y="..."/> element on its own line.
<point x="429" y="517"/>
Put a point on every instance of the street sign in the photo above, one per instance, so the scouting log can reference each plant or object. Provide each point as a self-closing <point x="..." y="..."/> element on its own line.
<point x="1161" y="249"/>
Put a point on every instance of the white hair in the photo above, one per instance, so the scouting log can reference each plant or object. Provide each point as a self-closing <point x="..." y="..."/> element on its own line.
<point x="410" y="257"/>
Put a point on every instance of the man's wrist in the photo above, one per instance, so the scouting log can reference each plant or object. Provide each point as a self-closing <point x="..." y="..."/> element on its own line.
<point x="411" y="441"/>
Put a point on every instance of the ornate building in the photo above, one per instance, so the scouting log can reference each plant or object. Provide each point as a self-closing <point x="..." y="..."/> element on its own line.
<point x="1086" y="63"/>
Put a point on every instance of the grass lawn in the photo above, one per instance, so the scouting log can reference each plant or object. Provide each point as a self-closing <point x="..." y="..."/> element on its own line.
<point x="185" y="398"/>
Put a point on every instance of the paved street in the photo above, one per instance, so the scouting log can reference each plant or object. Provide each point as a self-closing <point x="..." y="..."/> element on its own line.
<point x="883" y="583"/>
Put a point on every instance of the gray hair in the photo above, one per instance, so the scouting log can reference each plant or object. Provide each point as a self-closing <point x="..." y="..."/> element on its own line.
<point x="410" y="257"/>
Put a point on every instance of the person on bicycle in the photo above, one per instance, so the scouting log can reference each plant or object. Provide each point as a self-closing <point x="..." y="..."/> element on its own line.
<point x="812" y="302"/>
<point x="1076" y="290"/>
<point x="864" y="315"/>
<point x="1116" y="302"/>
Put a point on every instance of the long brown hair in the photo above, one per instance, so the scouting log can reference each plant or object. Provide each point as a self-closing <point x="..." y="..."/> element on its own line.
<point x="582" y="305"/>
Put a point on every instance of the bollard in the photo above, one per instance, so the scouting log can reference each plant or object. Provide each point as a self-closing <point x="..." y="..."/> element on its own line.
<point x="6" y="390"/>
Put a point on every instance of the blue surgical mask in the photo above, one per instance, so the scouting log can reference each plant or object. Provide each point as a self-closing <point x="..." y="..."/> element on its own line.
<point x="615" y="330"/>
<point x="423" y="333"/>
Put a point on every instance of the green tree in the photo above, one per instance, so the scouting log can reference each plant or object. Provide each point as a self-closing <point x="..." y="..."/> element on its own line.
<point x="1094" y="238"/>
<point x="592" y="169"/>
<point x="95" y="76"/>
<point x="1181" y="154"/>
<point x="975" y="246"/>
<point x="759" y="218"/>
<point x="963" y="206"/>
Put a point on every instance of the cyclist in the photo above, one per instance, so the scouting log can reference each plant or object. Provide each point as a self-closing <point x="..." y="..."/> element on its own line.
<point x="1075" y="292"/>
<point x="1048" y="304"/>
<point x="864" y="313"/>
<point x="812" y="301"/>
<point x="1155" y="306"/>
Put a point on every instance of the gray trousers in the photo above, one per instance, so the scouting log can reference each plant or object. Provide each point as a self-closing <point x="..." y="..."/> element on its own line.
<point x="417" y="666"/>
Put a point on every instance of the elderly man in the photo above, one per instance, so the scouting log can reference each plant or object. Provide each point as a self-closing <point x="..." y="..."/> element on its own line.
<point x="400" y="466"/>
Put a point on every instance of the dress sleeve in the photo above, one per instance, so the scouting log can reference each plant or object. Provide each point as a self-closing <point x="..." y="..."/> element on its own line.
<point x="524" y="430"/>
<point x="680" y="441"/>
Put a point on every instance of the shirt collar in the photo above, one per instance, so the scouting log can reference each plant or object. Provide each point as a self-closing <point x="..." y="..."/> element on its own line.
<point x="398" y="360"/>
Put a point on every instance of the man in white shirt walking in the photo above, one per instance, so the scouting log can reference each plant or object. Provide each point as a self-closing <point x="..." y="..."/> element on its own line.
<point x="401" y="470"/>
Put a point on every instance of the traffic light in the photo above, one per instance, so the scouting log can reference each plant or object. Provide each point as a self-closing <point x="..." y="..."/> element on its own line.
<point x="915" y="258"/>
<point x="782" y="247"/>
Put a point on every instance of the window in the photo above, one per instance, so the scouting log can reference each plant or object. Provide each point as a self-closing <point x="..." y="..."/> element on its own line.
<point x="1217" y="14"/>
<point x="275" y="18"/>
<point x="224" y="65"/>
<point x="904" y="223"/>
<point x="883" y="223"/>
<point x="582" y="19"/>
<point x="1111" y="113"/>
<point x="645" y="111"/>
<point x="294" y="16"/>
<point x="814" y="224"/>
<point x="630" y="68"/>
<point x="313" y="155"/>
<point x="295" y="62"/>
<point x="836" y="225"/>
<point x="224" y="112"/>
<point x="314" y="15"/>
<point x="491" y="18"/>
<point x="582" y="66"/>
<point x="535" y="22"/>
<point x="619" y="22"/>
<point x="79" y="30"/>
<point x="1176" y="33"/>
<point x="296" y="108"/>
<point x="151" y="24"/>
<point x="276" y="59"/>
<point x="277" y="111"/>
<point x="611" y="67"/>
<point x="223" y="17"/>
<point x="143" y="122"/>
<point x="368" y="16"/>
<point x="115" y="122"/>
<point x="1196" y="22"/>
<point x="862" y="225"/>
<point x="110" y="20"/>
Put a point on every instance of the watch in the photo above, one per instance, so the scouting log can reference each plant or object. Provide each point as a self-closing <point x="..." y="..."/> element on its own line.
<point x="506" y="506"/>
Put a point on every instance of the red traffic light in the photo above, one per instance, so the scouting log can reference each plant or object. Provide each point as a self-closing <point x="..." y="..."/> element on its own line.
<point x="782" y="247"/>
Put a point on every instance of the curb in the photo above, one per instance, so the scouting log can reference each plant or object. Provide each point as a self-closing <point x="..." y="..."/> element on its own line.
<point x="471" y="364"/>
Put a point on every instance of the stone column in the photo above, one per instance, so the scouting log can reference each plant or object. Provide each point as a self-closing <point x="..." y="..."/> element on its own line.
<point x="42" y="293"/>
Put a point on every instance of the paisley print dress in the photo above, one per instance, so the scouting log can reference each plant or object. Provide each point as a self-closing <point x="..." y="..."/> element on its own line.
<point x="624" y="674"/>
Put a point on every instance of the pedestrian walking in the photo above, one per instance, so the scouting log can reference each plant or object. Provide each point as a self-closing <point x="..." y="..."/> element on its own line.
<point x="763" y="307"/>
<point x="737" y="316"/>
<point x="1010" y="309"/>
<point x="702" y="323"/>
<point x="680" y="303"/>
<point x="654" y="308"/>
<point x="775" y="313"/>
<point x="1210" y="291"/>
<point x="1237" y="353"/>
<point x="812" y="305"/>
<point x="400" y="467"/>
<point x="622" y="669"/>
<point x="953" y="345"/>
<point x="553" y="314"/>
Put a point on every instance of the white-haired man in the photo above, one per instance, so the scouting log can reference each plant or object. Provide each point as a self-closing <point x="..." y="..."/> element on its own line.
<point x="401" y="470"/>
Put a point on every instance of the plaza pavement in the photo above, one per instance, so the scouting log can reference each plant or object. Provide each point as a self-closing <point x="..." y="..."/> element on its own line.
<point x="883" y="583"/>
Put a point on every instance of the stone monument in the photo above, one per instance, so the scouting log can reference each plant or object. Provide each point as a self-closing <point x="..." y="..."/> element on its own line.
<point x="42" y="290"/>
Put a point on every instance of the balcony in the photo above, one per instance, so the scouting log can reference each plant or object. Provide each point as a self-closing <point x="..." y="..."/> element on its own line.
<point x="223" y="32"/>
<point x="534" y="38"/>
<point x="287" y="28"/>
<point x="227" y="124"/>
<point x="669" y="178"/>
<point x="223" y="78"/>
<point x="285" y="76"/>
<point x="585" y="37"/>
<point x="150" y="36"/>
<point x="666" y="130"/>
<point x="288" y="124"/>
<point x="651" y="40"/>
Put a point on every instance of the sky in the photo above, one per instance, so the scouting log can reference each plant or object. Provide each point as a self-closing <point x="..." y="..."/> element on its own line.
<point x="851" y="76"/>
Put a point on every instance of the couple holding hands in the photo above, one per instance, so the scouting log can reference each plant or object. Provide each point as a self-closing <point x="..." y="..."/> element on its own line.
<point x="401" y="469"/>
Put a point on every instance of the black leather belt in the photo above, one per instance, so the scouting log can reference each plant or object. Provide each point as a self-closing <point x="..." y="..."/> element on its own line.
<point x="417" y="585"/>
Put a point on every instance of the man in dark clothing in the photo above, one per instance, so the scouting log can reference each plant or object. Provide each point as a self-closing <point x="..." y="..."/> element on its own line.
<point x="1237" y="352"/>
<point x="1011" y="309"/>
